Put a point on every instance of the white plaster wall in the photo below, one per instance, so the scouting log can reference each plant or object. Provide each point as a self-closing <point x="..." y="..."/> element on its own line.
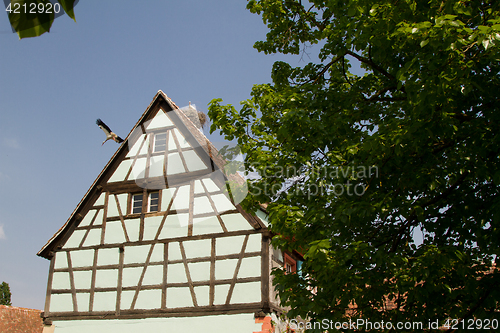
<point x="133" y="227"/>
<point x="254" y="243"/>
<point x="222" y="203"/>
<point x="246" y="293"/>
<point x="82" y="258"/>
<point x="159" y="121"/>
<point x="224" y="269"/>
<point x="156" y="166"/>
<point x="202" y="295"/>
<point x="166" y="196"/>
<point x="193" y="161"/>
<point x="105" y="301"/>
<point x="174" y="165"/>
<point x="114" y="233"/>
<point x="61" y="303"/>
<point x="106" y="278"/>
<point x="60" y="280"/>
<point x="135" y="147"/>
<point x="148" y="299"/>
<point x="151" y="225"/>
<point x="181" y="200"/>
<point x="235" y="222"/>
<point x="88" y="217"/>
<point x="182" y="141"/>
<point x="82" y="279"/>
<point x="179" y="297"/>
<point x="108" y="256"/>
<point x="229" y="245"/>
<point x="202" y="205"/>
<point x="198" y="188"/>
<point x="83" y="301"/>
<point x="75" y="239"/>
<point x="210" y="185"/>
<point x="121" y="171"/>
<point x="93" y="237"/>
<point x="153" y="275"/>
<point x="136" y="254"/>
<point x="171" y="142"/>
<point x="100" y="200"/>
<point x="145" y="147"/>
<point x="61" y="260"/>
<point x="99" y="217"/>
<point x="175" y="226"/>
<point x="139" y="168"/>
<point x="199" y="271"/>
<point x="250" y="267"/>
<point x="197" y="248"/>
<point x="206" y="225"/>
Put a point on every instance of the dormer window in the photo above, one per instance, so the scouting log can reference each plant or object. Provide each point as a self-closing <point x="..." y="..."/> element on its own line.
<point x="152" y="204"/>
<point x="160" y="142"/>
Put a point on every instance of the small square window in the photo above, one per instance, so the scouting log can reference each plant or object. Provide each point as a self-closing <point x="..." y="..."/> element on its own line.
<point x="160" y="142"/>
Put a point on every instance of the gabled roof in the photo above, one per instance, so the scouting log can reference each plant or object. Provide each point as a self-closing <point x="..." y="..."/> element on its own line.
<point x="159" y="101"/>
<point x="20" y="320"/>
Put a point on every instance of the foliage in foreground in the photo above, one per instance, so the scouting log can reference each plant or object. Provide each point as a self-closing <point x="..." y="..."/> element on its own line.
<point x="32" y="18"/>
<point x="355" y="165"/>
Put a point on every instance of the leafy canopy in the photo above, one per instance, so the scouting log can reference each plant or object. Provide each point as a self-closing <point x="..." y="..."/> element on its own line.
<point x="354" y="166"/>
<point x="5" y="294"/>
<point x="32" y="18"/>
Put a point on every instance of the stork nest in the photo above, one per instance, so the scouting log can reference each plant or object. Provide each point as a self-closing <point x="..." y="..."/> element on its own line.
<point x="197" y="117"/>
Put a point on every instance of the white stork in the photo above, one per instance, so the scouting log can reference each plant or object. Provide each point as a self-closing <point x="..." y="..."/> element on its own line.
<point x="109" y="134"/>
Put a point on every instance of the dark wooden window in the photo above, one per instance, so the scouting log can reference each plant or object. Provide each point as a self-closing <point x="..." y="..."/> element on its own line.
<point x="160" y="142"/>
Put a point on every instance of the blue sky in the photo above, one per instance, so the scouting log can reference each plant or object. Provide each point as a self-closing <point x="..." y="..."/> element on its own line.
<point x="108" y="65"/>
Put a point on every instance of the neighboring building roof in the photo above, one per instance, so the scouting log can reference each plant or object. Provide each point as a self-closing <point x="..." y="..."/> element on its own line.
<point x="20" y="320"/>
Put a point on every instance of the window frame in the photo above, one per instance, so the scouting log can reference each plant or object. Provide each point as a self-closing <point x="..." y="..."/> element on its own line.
<point x="155" y="140"/>
<point x="148" y="204"/>
<point x="288" y="261"/>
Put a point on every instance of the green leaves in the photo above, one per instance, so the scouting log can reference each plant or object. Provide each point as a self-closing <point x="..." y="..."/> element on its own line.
<point x="5" y="295"/>
<point x="68" y="7"/>
<point x="27" y="20"/>
<point x="422" y="121"/>
<point x="32" y="18"/>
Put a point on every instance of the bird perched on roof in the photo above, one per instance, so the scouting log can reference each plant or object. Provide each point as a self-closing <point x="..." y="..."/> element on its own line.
<point x="109" y="134"/>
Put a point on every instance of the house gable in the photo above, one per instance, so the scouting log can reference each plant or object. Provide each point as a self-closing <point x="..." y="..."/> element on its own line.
<point x="157" y="234"/>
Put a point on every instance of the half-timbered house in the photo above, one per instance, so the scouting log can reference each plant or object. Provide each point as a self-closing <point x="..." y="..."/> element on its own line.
<point x="158" y="244"/>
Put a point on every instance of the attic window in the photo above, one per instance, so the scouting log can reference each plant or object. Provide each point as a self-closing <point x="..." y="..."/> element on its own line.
<point x="160" y="142"/>
<point x="153" y="202"/>
<point x="290" y="264"/>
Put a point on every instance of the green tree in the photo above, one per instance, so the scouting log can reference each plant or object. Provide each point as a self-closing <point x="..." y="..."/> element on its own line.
<point x="32" y="18"/>
<point x="5" y="294"/>
<point x="354" y="166"/>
